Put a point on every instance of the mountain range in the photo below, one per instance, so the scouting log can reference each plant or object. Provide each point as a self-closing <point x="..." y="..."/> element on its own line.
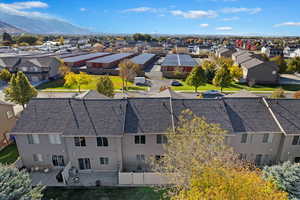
<point x="37" y="25"/>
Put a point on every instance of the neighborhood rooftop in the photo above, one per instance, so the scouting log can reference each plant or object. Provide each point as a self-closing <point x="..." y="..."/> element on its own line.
<point x="178" y="60"/>
<point x="142" y="58"/>
<point x="85" y="57"/>
<point x="111" y="58"/>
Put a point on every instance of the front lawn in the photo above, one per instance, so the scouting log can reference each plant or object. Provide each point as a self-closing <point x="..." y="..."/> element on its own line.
<point x="237" y="87"/>
<point x="103" y="193"/>
<point x="9" y="154"/>
<point x="59" y="84"/>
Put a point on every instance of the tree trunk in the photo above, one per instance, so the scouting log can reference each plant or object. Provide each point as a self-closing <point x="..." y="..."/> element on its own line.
<point x="196" y="89"/>
<point x="79" y="88"/>
<point x="23" y="106"/>
<point x="123" y="84"/>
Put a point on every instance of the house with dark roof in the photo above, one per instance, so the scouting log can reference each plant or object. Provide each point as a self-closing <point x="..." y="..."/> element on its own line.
<point x="98" y="135"/>
<point x="35" y="68"/>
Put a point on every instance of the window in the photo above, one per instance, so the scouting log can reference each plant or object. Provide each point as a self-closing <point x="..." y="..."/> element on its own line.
<point x="79" y="141"/>
<point x="33" y="139"/>
<point x="54" y="139"/>
<point x="140" y="139"/>
<point x="267" y="138"/>
<point x="84" y="163"/>
<point x="58" y="160"/>
<point x="140" y="157"/>
<point x="102" y="142"/>
<point x="258" y="159"/>
<point x="161" y="139"/>
<point x="158" y="157"/>
<point x="9" y="114"/>
<point x="243" y="156"/>
<point x="295" y="140"/>
<point x="103" y="161"/>
<point x="244" y="138"/>
<point x="297" y="159"/>
<point x="38" y="157"/>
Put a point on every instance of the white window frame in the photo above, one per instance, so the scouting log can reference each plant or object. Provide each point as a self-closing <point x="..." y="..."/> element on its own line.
<point x="54" y="139"/>
<point x="37" y="157"/>
<point x="33" y="139"/>
<point x="9" y="114"/>
<point x="105" y="160"/>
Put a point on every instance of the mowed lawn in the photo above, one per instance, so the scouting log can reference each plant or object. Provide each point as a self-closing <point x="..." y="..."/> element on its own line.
<point x="103" y="193"/>
<point x="59" y="84"/>
<point x="237" y="87"/>
<point x="9" y="154"/>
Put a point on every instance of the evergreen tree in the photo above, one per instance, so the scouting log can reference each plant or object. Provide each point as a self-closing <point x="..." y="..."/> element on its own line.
<point x="286" y="176"/>
<point x="5" y="75"/>
<point x="7" y="37"/>
<point x="196" y="78"/>
<point x="20" y="90"/>
<point x="223" y="77"/>
<point x="105" y="86"/>
<point x="17" y="185"/>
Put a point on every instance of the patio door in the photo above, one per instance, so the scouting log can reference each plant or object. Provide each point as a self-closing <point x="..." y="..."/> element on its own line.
<point x="84" y="163"/>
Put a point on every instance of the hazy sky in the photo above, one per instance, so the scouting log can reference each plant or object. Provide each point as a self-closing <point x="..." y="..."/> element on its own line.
<point x="240" y="17"/>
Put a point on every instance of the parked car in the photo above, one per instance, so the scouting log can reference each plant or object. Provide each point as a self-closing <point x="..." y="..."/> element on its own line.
<point x="175" y="83"/>
<point x="212" y="92"/>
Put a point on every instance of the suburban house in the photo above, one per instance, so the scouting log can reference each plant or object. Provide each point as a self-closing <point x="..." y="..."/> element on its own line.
<point x="117" y="136"/>
<point x="256" y="71"/>
<point x="272" y="51"/>
<point x="36" y="69"/>
<point x="7" y="122"/>
<point x="225" y="52"/>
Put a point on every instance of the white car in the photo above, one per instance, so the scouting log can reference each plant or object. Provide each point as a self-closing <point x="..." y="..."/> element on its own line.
<point x="212" y="92"/>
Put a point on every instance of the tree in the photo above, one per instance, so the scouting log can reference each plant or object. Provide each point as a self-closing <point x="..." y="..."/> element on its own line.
<point x="128" y="70"/>
<point x="72" y="79"/>
<point x="223" y="77"/>
<point x="279" y="60"/>
<point x="6" y="37"/>
<point x="196" y="78"/>
<point x="297" y="95"/>
<point x="5" y="75"/>
<point x="19" y="89"/>
<point x="293" y="65"/>
<point x="61" y="40"/>
<point x="105" y="86"/>
<point x="17" y="185"/>
<point x="230" y="184"/>
<point x="63" y="69"/>
<point x="286" y="177"/>
<point x="29" y="39"/>
<point x="210" y="70"/>
<point x="278" y="93"/>
<point x="204" y="143"/>
<point x="236" y="72"/>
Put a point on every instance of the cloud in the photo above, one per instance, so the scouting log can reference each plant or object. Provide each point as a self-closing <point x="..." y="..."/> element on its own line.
<point x="224" y="28"/>
<point x="140" y="9"/>
<point x="194" y="14"/>
<point x="239" y="10"/>
<point x="230" y="19"/>
<point x="21" y="9"/>
<point x="287" y="24"/>
<point x="83" y="9"/>
<point x="204" y="25"/>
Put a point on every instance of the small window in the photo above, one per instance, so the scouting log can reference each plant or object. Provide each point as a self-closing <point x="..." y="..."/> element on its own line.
<point x="102" y="142"/>
<point x="79" y="141"/>
<point x="295" y="140"/>
<point x="37" y="157"/>
<point x="54" y="139"/>
<point x="140" y="139"/>
<point x="244" y="138"/>
<point x="33" y="139"/>
<point x="58" y="161"/>
<point x="84" y="163"/>
<point x="9" y="114"/>
<point x="140" y="157"/>
<point x="243" y="156"/>
<point x="161" y="139"/>
<point x="297" y="159"/>
<point x="258" y="159"/>
<point x="103" y="160"/>
<point x="267" y="138"/>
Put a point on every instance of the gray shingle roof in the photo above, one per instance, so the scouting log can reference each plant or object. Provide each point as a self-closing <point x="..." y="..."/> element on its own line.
<point x="287" y="112"/>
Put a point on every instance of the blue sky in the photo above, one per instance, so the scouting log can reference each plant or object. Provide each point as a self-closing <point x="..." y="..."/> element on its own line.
<point x="238" y="17"/>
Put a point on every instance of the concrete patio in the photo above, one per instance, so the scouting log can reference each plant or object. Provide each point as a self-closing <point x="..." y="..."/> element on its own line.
<point x="48" y="179"/>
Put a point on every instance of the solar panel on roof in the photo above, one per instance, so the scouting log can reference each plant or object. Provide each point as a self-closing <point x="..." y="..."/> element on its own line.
<point x="179" y="60"/>
<point x="84" y="57"/>
<point x="111" y="58"/>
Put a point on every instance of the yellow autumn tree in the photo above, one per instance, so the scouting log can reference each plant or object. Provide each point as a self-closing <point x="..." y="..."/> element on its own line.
<point x="230" y="184"/>
<point x="76" y="80"/>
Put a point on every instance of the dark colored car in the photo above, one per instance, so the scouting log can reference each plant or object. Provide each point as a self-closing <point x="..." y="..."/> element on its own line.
<point x="175" y="83"/>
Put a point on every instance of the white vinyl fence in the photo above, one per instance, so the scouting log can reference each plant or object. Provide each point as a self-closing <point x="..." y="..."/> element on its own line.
<point x="143" y="178"/>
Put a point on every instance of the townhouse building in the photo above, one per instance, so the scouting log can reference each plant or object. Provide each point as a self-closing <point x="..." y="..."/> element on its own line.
<point x="113" y="135"/>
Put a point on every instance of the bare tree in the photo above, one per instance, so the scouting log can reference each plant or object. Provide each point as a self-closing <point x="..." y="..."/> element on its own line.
<point x="128" y="70"/>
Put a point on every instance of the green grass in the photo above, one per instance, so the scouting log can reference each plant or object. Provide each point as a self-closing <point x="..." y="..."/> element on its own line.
<point x="237" y="87"/>
<point x="105" y="193"/>
<point x="9" y="154"/>
<point x="59" y="84"/>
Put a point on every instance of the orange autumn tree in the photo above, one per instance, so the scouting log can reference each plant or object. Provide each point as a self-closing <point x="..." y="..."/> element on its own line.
<point x="230" y="184"/>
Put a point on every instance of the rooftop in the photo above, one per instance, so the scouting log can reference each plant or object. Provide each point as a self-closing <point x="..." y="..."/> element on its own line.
<point x="85" y="57"/>
<point x="111" y="58"/>
<point x="178" y="60"/>
<point x="142" y="58"/>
